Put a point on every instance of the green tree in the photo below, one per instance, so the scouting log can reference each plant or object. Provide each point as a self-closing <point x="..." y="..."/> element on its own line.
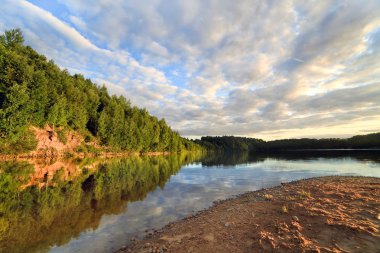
<point x="57" y="115"/>
<point x="12" y="38"/>
<point x="14" y="113"/>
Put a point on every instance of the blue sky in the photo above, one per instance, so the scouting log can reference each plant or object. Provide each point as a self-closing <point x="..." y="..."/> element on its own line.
<point x="267" y="69"/>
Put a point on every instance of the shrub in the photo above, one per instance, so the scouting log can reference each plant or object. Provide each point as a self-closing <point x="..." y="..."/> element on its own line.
<point x="62" y="136"/>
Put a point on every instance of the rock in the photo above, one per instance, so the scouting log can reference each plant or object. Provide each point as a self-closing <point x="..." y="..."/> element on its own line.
<point x="295" y="218"/>
<point x="227" y="224"/>
<point x="378" y="216"/>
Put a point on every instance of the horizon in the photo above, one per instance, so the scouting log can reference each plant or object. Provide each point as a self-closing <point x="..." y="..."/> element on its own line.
<point x="240" y="136"/>
<point x="259" y="70"/>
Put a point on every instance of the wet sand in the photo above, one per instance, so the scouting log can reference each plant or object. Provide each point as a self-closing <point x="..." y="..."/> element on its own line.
<point x="327" y="214"/>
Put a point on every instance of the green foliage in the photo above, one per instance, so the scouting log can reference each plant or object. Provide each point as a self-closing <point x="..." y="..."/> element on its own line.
<point x="13" y="115"/>
<point x="27" y="142"/>
<point x="34" y="91"/>
<point x="12" y="38"/>
<point x="57" y="115"/>
<point x="35" y="219"/>
<point x="62" y="136"/>
<point x="231" y="143"/>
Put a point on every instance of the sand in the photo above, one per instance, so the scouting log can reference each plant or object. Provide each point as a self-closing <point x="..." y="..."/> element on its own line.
<point x="327" y="214"/>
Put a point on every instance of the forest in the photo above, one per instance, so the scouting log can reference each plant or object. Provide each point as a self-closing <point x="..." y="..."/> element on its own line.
<point x="34" y="91"/>
<point x="231" y="143"/>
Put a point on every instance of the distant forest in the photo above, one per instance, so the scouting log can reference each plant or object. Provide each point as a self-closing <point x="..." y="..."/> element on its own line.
<point x="36" y="92"/>
<point x="231" y="143"/>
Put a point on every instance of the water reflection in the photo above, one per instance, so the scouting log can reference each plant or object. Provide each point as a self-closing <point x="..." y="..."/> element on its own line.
<point x="94" y="205"/>
<point x="43" y="206"/>
<point x="238" y="158"/>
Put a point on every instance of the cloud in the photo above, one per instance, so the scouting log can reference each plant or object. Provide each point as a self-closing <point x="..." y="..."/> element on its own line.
<point x="78" y="22"/>
<point x="258" y="68"/>
<point x="68" y="32"/>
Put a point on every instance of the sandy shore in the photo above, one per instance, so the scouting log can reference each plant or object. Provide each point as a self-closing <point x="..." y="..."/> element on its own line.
<point x="328" y="214"/>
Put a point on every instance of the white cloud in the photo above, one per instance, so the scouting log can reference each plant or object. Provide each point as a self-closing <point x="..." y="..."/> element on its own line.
<point x="78" y="22"/>
<point x="220" y="67"/>
<point x="76" y="38"/>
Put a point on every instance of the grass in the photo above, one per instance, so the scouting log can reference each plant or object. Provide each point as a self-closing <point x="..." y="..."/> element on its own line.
<point x="284" y="209"/>
<point x="304" y="194"/>
<point x="290" y="198"/>
<point x="268" y="197"/>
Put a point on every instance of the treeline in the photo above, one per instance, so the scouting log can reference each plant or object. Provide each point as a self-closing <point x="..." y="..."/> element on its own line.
<point x="34" y="91"/>
<point x="230" y="143"/>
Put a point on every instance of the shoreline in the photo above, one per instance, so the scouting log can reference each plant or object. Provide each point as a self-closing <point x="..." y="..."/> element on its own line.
<point x="37" y="155"/>
<point x="321" y="214"/>
<point x="50" y="146"/>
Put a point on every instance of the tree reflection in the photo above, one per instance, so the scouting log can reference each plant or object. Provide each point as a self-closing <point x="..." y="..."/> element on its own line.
<point x="37" y="216"/>
<point x="222" y="158"/>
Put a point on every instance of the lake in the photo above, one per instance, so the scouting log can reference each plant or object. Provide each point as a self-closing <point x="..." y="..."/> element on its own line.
<point x="98" y="205"/>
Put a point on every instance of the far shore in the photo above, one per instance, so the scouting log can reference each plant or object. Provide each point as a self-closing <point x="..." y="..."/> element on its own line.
<point x="325" y="214"/>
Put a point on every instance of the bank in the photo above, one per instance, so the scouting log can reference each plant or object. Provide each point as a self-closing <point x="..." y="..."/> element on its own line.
<point x="326" y="214"/>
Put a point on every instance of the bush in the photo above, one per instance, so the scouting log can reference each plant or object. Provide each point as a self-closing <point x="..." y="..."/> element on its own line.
<point x="62" y="136"/>
<point x="27" y="142"/>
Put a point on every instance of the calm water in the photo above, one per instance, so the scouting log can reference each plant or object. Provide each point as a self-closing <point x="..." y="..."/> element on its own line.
<point x="98" y="206"/>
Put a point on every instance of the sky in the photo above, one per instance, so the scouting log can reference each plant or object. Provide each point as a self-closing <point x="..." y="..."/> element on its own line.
<point x="265" y="69"/>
